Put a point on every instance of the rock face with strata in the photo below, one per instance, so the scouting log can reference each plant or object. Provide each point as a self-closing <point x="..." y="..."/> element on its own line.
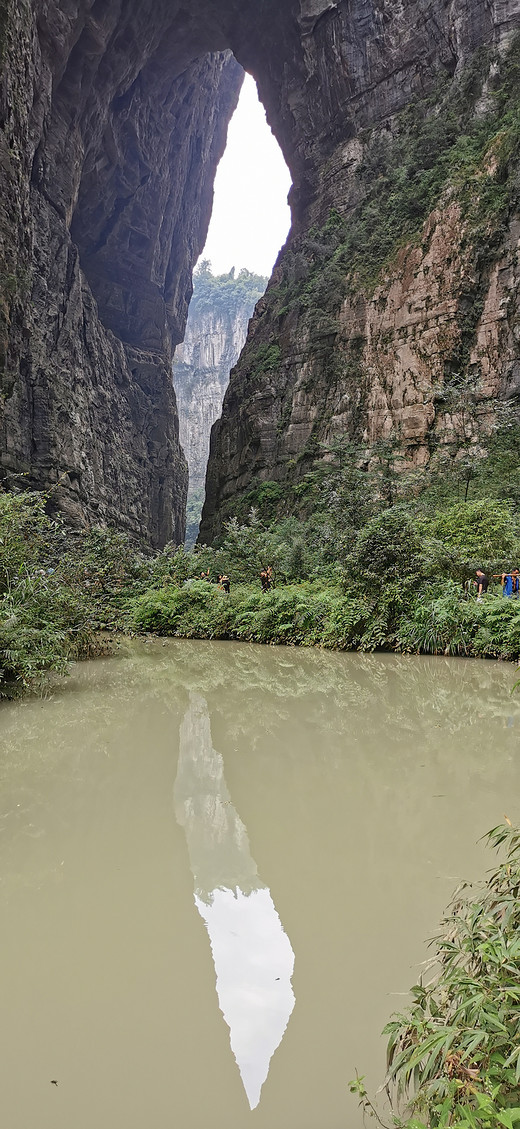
<point x="111" y="134"/>
<point x="337" y="348"/>
<point x="113" y="115"/>
<point x="215" y="334"/>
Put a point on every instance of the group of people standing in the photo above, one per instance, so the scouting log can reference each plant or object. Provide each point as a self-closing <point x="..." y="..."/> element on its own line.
<point x="223" y="581"/>
<point x="510" y="582"/>
<point x="266" y="579"/>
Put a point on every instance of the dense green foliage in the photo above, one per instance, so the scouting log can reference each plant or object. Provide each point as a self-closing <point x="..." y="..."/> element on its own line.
<point x="437" y="141"/>
<point x="357" y="572"/>
<point x="375" y="564"/>
<point x="454" y="1055"/>
<point x="225" y="293"/>
<point x="437" y="620"/>
<point x="59" y="589"/>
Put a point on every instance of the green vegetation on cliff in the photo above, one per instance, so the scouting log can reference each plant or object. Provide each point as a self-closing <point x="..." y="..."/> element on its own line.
<point x="458" y="149"/>
<point x="224" y="293"/>
<point x="454" y="1055"/>
<point x="464" y="137"/>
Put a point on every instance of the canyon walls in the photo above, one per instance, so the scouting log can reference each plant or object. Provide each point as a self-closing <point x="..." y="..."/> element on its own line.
<point x="111" y="134"/>
<point x="216" y="330"/>
<point x="395" y="307"/>
<point x="400" y="274"/>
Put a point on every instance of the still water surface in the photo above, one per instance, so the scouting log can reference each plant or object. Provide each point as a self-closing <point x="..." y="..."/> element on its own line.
<point x="219" y="866"/>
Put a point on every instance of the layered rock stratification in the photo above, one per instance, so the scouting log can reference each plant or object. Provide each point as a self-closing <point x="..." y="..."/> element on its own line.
<point x="211" y="346"/>
<point x="402" y="286"/>
<point x="112" y="129"/>
<point x="113" y="115"/>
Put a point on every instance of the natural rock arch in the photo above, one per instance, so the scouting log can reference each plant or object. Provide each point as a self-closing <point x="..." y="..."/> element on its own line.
<point x="113" y="116"/>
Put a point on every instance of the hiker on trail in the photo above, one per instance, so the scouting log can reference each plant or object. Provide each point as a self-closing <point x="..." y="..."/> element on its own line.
<point x="515" y="573"/>
<point x="225" y="583"/>
<point x="265" y="579"/>
<point x="482" y="583"/>
<point x="270" y="576"/>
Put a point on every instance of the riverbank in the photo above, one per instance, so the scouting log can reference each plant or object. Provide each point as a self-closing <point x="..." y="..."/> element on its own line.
<point x="402" y="585"/>
<point x="438" y="620"/>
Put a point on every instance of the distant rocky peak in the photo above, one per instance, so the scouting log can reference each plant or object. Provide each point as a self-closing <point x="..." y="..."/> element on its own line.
<point x="216" y="330"/>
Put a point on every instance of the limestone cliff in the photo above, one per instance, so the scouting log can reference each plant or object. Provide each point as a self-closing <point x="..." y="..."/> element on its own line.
<point x="110" y="134"/>
<point x="216" y="330"/>
<point x="113" y="115"/>
<point x="400" y="297"/>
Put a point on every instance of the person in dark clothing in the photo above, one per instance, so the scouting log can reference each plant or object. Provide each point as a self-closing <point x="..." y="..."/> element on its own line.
<point x="225" y="583"/>
<point x="482" y="583"/>
<point x="264" y="579"/>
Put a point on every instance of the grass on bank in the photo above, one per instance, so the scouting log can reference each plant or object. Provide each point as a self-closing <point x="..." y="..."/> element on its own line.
<point x="454" y="1054"/>
<point x="398" y="588"/>
<point x="374" y="565"/>
<point x="438" y="620"/>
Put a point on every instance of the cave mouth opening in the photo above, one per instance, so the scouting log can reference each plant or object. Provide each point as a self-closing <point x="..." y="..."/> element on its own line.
<point x="249" y="224"/>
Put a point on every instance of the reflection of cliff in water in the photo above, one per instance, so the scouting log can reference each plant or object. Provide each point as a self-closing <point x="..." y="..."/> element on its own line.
<point x="217" y="839"/>
<point x="251" y="952"/>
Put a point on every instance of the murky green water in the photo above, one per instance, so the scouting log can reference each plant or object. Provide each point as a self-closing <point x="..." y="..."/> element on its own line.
<point x="219" y="865"/>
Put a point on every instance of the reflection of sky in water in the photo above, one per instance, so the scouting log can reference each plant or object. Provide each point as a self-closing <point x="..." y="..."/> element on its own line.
<point x="251" y="952"/>
<point x="254" y="963"/>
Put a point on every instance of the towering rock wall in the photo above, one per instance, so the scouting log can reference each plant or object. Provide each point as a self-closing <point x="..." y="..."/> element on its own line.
<point x="212" y="344"/>
<point x="110" y="136"/>
<point x="398" y="297"/>
<point x="215" y="334"/>
<point x="112" y="118"/>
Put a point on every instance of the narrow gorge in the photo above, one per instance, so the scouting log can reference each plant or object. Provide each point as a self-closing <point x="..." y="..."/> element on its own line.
<point x="219" y="314"/>
<point x="258" y="751"/>
<point x="399" y="280"/>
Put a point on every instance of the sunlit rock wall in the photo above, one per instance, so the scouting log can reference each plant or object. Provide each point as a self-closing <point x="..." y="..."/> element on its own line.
<point x="203" y="362"/>
<point x="373" y="313"/>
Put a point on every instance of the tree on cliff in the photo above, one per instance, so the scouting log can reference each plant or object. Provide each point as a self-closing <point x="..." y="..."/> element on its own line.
<point x="225" y="293"/>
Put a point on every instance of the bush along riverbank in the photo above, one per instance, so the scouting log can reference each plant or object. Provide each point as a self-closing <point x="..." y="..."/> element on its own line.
<point x="59" y="590"/>
<point x="437" y="621"/>
<point x="354" y="575"/>
<point x="371" y="566"/>
<point x="454" y="1055"/>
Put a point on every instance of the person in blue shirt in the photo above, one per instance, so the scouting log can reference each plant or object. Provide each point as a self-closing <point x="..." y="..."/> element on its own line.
<point x="507" y="584"/>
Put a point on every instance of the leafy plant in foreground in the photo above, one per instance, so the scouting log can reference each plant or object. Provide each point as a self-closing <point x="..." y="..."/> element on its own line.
<point x="454" y="1056"/>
